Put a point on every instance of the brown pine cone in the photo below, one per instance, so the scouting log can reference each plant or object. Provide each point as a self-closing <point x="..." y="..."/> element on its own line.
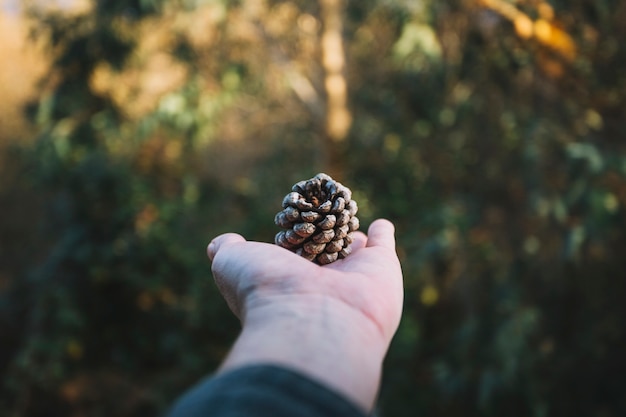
<point x="319" y="218"/>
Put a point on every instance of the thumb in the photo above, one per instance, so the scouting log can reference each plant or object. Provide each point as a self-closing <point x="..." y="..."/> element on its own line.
<point x="221" y="241"/>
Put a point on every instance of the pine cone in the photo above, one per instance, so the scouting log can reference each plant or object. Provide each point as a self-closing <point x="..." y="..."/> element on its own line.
<point x="319" y="215"/>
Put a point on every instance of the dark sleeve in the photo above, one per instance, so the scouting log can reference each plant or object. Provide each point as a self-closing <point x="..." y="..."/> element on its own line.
<point x="263" y="390"/>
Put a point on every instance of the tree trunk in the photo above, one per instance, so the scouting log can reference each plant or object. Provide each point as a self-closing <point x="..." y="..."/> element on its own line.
<point x="338" y="116"/>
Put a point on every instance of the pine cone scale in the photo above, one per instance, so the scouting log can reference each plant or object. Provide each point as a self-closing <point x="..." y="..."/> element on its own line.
<point x="304" y="229"/>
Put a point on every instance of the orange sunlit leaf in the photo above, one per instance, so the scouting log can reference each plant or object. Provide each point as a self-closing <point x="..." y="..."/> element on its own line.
<point x="523" y="26"/>
<point x="550" y="66"/>
<point x="173" y="150"/>
<point x="168" y="297"/>
<point x="503" y="8"/>
<point x="546" y="11"/>
<point x="145" y="301"/>
<point x="145" y="218"/>
<point x="555" y="38"/>
<point x="71" y="391"/>
<point x="542" y="30"/>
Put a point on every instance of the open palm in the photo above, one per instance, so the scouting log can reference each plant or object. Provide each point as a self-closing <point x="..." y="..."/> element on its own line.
<point x="253" y="274"/>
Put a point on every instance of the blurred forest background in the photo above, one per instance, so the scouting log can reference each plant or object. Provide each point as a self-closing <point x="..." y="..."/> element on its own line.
<point x="492" y="132"/>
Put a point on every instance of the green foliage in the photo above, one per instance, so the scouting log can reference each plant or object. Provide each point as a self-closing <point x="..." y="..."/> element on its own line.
<point x="498" y="156"/>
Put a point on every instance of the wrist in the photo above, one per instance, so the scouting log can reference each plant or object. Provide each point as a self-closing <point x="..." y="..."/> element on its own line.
<point x="321" y="337"/>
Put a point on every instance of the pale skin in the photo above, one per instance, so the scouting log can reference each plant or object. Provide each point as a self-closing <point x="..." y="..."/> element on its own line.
<point x="331" y="323"/>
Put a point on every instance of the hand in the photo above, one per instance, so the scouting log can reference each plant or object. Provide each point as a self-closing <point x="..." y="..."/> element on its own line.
<point x="333" y="323"/>
<point x="252" y="274"/>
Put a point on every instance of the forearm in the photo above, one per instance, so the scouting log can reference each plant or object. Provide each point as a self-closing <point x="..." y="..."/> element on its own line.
<point x="325" y="340"/>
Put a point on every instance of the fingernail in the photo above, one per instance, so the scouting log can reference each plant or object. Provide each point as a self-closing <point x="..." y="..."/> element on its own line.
<point x="211" y="250"/>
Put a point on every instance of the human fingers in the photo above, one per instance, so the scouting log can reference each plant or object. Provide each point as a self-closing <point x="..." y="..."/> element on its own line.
<point x="360" y="240"/>
<point x="221" y="241"/>
<point x="381" y="233"/>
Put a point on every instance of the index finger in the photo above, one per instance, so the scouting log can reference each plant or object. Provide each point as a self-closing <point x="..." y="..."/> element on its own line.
<point x="381" y="233"/>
